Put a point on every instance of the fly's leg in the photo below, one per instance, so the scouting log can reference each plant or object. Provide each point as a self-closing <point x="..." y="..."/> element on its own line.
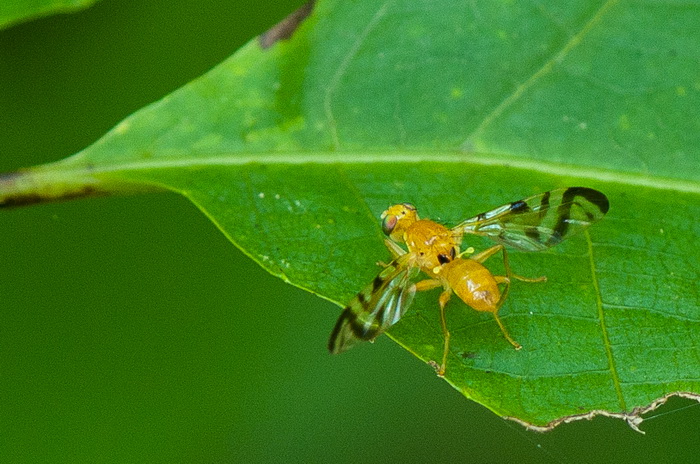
<point x="483" y="256"/>
<point x="487" y="253"/>
<point x="506" y="281"/>
<point x="430" y="284"/>
<point x="427" y="284"/>
<point x="509" y="272"/>
<point x="395" y="250"/>
<point x="444" y="298"/>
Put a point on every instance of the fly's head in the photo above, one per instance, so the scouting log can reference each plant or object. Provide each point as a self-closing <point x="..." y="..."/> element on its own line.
<point x="397" y="219"/>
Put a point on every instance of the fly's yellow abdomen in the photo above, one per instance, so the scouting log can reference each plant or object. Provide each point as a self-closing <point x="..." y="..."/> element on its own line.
<point x="473" y="284"/>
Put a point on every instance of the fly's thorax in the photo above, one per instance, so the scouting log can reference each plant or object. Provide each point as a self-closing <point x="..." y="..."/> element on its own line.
<point x="431" y="244"/>
<point x="473" y="283"/>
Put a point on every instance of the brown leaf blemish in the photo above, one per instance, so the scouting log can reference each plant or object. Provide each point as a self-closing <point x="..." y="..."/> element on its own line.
<point x="285" y="28"/>
<point x="27" y="199"/>
<point x="18" y="189"/>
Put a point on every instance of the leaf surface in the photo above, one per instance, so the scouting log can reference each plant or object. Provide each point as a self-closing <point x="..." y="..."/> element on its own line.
<point x="294" y="146"/>
<point x="15" y="11"/>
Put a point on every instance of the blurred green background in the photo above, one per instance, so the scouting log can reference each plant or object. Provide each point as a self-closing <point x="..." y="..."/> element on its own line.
<point x="132" y="331"/>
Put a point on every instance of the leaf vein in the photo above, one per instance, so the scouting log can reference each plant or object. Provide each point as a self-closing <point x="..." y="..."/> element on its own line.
<point x="601" y="315"/>
<point x="545" y="69"/>
<point x="342" y="68"/>
<point x="654" y="311"/>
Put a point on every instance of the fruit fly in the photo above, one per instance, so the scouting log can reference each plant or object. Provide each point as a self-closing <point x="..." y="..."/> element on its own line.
<point x="533" y="224"/>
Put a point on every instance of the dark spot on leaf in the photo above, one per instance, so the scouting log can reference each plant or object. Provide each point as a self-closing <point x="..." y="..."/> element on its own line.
<point x="285" y="28"/>
<point x="468" y="354"/>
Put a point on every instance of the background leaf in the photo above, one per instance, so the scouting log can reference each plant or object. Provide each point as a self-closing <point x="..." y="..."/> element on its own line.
<point x="14" y="11"/>
<point x="437" y="193"/>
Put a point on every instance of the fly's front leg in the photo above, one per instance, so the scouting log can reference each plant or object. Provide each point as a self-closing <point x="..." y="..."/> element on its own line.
<point x="395" y="250"/>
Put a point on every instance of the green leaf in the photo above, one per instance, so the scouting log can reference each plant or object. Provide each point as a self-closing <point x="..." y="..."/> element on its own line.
<point x="296" y="144"/>
<point x="15" y="11"/>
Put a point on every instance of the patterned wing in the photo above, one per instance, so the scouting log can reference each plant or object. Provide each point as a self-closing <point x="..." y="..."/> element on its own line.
<point x="376" y="308"/>
<point x="541" y="221"/>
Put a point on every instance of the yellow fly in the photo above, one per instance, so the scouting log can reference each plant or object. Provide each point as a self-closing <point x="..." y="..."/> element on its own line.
<point x="533" y="224"/>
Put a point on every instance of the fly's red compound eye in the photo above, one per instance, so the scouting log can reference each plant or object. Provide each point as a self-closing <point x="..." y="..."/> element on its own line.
<point x="389" y="223"/>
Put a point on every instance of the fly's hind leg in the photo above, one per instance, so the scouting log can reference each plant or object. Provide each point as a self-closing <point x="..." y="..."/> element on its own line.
<point x="487" y="253"/>
<point x="504" y="294"/>
<point x="506" y="281"/>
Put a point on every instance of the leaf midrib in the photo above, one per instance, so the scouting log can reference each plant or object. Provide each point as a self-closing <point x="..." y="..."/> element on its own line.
<point x="348" y="158"/>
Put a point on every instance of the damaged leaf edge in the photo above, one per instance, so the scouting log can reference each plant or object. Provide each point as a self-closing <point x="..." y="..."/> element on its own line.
<point x="285" y="28"/>
<point x="634" y="418"/>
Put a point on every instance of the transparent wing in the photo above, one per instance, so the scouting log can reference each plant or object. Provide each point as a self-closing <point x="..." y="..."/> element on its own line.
<point x="376" y="308"/>
<point x="541" y="221"/>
